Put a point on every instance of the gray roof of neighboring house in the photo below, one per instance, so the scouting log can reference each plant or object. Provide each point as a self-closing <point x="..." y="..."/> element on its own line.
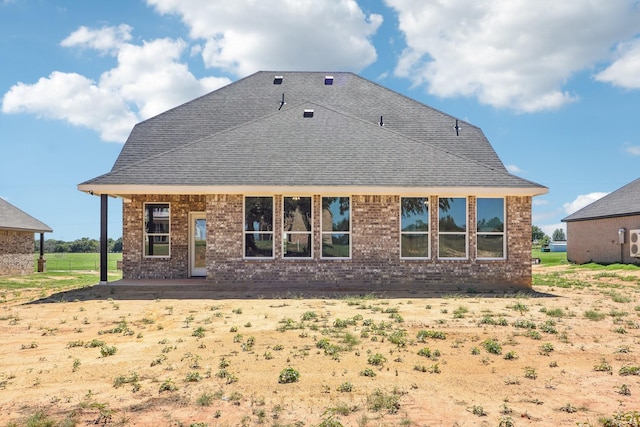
<point x="12" y="218"/>
<point x="242" y="134"/>
<point x="623" y="202"/>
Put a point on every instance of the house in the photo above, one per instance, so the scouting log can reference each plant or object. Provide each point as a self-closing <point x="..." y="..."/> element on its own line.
<point x="608" y="230"/>
<point x="317" y="179"/>
<point x="558" y="246"/>
<point x="16" y="240"/>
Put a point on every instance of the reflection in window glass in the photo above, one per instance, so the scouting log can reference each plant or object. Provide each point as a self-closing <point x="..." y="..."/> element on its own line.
<point x="336" y="227"/>
<point x="414" y="227"/>
<point x="156" y="230"/>
<point x="452" y="227"/>
<point x="296" y="220"/>
<point x="258" y="227"/>
<point x="490" y="228"/>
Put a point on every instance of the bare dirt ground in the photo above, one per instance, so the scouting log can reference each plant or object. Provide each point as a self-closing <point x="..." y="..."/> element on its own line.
<point x="566" y="354"/>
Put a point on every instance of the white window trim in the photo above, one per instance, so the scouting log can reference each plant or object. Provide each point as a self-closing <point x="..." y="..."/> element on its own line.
<point x="322" y="232"/>
<point x="146" y="235"/>
<point x="466" y="232"/>
<point x="245" y="232"/>
<point x="284" y="233"/>
<point x="427" y="233"/>
<point x="494" y="233"/>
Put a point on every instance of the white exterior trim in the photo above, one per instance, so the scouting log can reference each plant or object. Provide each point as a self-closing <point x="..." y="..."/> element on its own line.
<point x="126" y="190"/>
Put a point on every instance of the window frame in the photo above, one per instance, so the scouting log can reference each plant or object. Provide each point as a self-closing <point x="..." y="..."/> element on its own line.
<point x="285" y="233"/>
<point x="502" y="233"/>
<point x="331" y="232"/>
<point x="246" y="233"/>
<point x="415" y="232"/>
<point x="455" y="233"/>
<point x="146" y="235"/>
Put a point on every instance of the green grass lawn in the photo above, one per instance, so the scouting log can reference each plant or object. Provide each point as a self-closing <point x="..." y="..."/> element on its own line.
<point x="78" y="261"/>
<point x="550" y="258"/>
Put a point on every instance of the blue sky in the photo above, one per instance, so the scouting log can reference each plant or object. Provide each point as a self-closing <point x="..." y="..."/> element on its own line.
<point x="555" y="86"/>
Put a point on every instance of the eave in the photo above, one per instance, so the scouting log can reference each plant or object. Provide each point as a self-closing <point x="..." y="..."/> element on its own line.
<point x="126" y="191"/>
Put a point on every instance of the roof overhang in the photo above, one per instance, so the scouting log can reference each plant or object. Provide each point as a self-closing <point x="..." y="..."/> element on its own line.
<point x="27" y="230"/>
<point x="126" y="191"/>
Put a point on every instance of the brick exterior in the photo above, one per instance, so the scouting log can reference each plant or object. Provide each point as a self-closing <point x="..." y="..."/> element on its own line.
<point x="375" y="235"/>
<point x="16" y="253"/>
<point x="597" y="240"/>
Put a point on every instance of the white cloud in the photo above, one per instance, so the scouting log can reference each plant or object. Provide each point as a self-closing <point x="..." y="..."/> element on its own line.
<point x="147" y="80"/>
<point x="516" y="54"/>
<point x="104" y="39"/>
<point x="581" y="201"/>
<point x="75" y="99"/>
<point x="625" y="71"/>
<point x="513" y="169"/>
<point x="548" y="229"/>
<point x="245" y="36"/>
<point x="634" y="150"/>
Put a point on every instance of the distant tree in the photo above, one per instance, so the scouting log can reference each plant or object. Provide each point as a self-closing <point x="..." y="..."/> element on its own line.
<point x="544" y="241"/>
<point x="84" y="245"/>
<point x="117" y="246"/>
<point x="536" y="233"/>
<point x="558" y="235"/>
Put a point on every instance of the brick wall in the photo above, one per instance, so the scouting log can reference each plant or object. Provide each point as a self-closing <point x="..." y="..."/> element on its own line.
<point x="135" y="265"/>
<point x="375" y="261"/>
<point x="597" y="240"/>
<point x="16" y="253"/>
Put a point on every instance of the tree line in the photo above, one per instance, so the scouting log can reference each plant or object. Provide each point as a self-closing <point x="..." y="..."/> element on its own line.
<point x="537" y="235"/>
<point x="83" y="245"/>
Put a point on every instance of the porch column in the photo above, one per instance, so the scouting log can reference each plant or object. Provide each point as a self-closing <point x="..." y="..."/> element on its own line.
<point x="103" y="239"/>
<point x="41" y="261"/>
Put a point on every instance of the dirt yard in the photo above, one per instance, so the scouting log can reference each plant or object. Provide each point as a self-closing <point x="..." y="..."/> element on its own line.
<point x="566" y="354"/>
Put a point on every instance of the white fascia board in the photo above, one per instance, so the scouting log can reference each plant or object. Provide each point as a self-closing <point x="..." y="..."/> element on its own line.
<point x="125" y="191"/>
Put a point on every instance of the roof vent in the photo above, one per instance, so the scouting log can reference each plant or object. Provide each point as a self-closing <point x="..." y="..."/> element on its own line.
<point x="307" y="113"/>
<point x="381" y="123"/>
<point x="328" y="80"/>
<point x="277" y="80"/>
<point x="457" y="128"/>
<point x="282" y="103"/>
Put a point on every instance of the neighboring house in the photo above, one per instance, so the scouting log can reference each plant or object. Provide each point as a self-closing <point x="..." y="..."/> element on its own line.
<point x="316" y="178"/>
<point x="558" y="246"/>
<point x="604" y="231"/>
<point x="16" y="240"/>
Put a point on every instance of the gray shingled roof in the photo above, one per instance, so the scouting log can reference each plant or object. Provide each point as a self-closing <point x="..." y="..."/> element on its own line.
<point x="242" y="135"/>
<point x="623" y="202"/>
<point x="12" y="218"/>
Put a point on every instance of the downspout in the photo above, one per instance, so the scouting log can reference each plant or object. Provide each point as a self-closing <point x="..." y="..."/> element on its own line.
<point x="103" y="239"/>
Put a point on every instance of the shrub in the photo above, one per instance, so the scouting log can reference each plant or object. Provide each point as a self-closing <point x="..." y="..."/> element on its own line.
<point x="168" y="385"/>
<point x="346" y="387"/>
<point x="288" y="375"/>
<point x="424" y="334"/>
<point x="105" y="350"/>
<point x="546" y="348"/>
<point x="376" y="359"/>
<point x="368" y="372"/>
<point x="380" y="400"/>
<point x="492" y="346"/>
<point x="629" y="370"/>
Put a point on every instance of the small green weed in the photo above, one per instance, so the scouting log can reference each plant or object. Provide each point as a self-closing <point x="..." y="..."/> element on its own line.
<point x="288" y="375"/>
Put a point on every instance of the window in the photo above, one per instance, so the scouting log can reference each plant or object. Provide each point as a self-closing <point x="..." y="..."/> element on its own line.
<point x="258" y="227"/>
<point x="414" y="227"/>
<point x="452" y="227"/>
<point x="157" y="230"/>
<point x="490" y="227"/>
<point x="336" y="227"/>
<point x="297" y="239"/>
